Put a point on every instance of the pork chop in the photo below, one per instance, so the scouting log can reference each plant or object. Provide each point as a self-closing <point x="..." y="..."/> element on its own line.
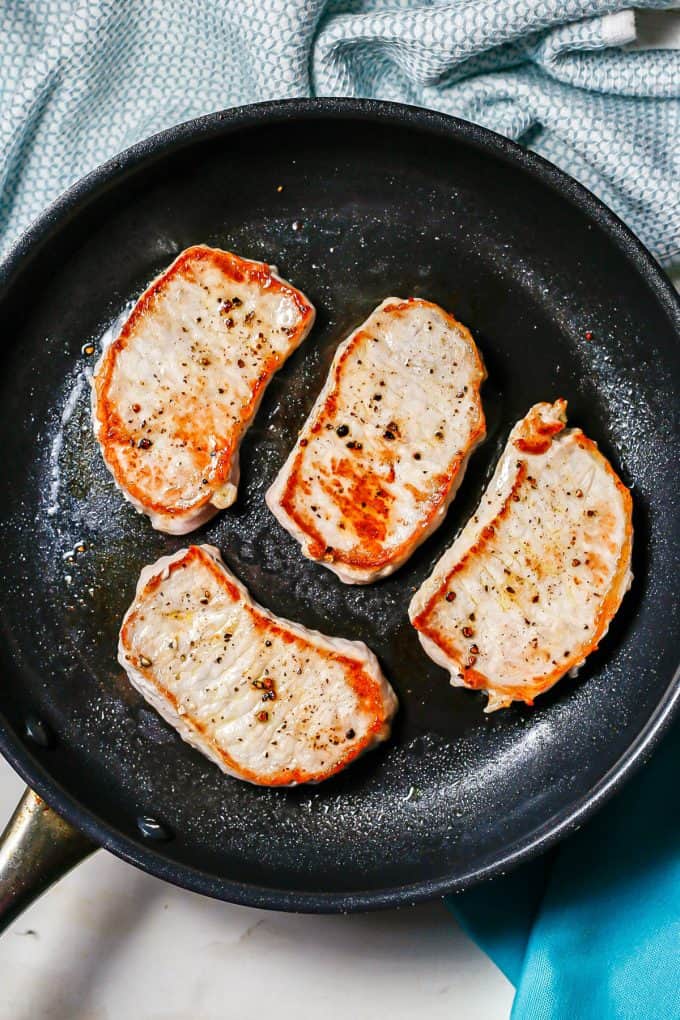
<point x="386" y="444"/>
<point x="173" y="395"/>
<point x="265" y="699"/>
<point x="531" y="584"/>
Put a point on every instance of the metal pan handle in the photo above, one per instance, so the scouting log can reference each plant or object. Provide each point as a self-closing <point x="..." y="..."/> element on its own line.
<point x="37" y="848"/>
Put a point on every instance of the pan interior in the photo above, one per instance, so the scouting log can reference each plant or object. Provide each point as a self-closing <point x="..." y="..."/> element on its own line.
<point x="349" y="210"/>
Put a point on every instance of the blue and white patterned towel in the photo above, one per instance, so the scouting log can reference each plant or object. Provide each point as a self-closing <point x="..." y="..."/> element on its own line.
<point x="83" y="79"/>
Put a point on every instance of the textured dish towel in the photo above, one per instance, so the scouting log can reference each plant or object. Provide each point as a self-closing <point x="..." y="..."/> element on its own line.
<point x="83" y="79"/>
<point x="593" y="929"/>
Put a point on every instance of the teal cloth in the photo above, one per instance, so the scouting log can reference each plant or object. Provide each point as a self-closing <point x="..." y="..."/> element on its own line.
<point x="83" y="79"/>
<point x="590" y="931"/>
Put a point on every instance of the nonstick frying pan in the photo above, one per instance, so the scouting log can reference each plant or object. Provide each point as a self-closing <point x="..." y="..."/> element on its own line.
<point x="353" y="201"/>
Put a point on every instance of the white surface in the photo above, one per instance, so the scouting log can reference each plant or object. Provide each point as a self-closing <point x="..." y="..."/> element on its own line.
<point x="110" y="942"/>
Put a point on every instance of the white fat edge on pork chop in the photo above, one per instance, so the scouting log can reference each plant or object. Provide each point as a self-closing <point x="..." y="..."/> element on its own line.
<point x="529" y="587"/>
<point x="264" y="698"/>
<point x="175" y="392"/>
<point x="386" y="444"/>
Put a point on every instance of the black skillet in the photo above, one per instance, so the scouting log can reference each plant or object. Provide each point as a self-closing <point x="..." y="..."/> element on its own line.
<point x="353" y="201"/>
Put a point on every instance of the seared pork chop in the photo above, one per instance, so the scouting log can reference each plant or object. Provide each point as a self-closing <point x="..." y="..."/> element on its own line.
<point x="265" y="699"/>
<point x="173" y="395"/>
<point x="531" y="584"/>
<point x="386" y="444"/>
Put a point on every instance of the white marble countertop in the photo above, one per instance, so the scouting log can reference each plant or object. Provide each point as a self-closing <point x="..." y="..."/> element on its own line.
<point x="110" y="942"/>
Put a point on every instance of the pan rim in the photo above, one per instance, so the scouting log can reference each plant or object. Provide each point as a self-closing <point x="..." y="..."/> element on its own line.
<point x="581" y="807"/>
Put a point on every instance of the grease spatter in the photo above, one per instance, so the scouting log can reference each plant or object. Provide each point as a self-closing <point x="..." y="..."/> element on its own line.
<point x="70" y="555"/>
<point x="70" y="405"/>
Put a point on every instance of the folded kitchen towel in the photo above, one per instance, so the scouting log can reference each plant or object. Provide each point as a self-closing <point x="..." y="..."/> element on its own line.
<point x="83" y="79"/>
<point x="591" y="930"/>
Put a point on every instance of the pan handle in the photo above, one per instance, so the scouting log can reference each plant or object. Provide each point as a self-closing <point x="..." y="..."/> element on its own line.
<point x="37" y="848"/>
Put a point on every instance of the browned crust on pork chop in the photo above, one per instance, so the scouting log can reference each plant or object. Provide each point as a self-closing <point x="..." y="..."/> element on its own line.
<point x="128" y="444"/>
<point x="360" y="486"/>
